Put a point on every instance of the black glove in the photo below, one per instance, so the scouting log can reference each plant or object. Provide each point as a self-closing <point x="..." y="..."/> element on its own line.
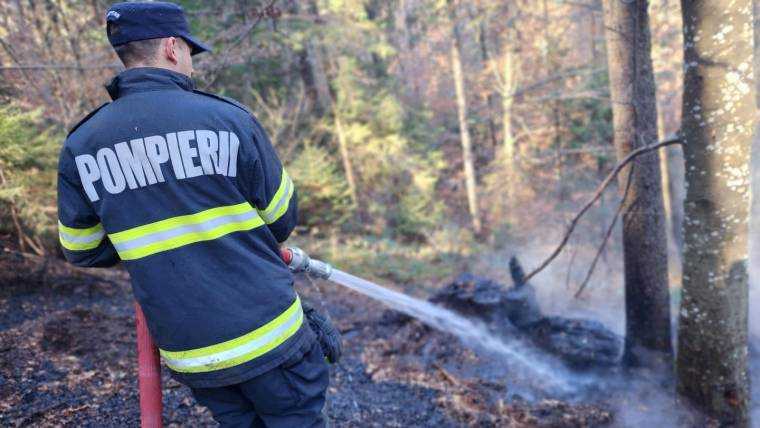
<point x="327" y="335"/>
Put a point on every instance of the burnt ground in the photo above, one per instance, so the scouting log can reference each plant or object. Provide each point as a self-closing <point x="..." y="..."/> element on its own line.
<point x="67" y="357"/>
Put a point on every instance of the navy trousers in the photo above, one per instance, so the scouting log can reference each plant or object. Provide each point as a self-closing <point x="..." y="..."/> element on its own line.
<point x="290" y="395"/>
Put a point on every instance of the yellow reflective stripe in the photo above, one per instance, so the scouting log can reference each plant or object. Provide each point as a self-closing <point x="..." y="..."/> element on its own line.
<point x="241" y="349"/>
<point x="189" y="238"/>
<point x="284" y="207"/>
<point x="280" y="201"/>
<point x="243" y="358"/>
<point x="182" y="220"/>
<point x="80" y="232"/>
<point x="280" y="191"/>
<point x="74" y="239"/>
<point x="233" y="343"/>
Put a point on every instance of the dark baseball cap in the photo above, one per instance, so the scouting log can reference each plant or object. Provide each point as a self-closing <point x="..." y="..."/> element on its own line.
<point x="130" y="21"/>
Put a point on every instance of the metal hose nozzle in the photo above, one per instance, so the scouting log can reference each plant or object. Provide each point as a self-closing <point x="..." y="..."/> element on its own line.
<point x="298" y="261"/>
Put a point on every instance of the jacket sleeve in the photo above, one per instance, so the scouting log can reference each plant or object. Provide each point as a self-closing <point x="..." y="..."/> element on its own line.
<point x="268" y="185"/>
<point x="82" y="237"/>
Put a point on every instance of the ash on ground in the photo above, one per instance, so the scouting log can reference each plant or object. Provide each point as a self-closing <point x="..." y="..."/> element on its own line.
<point x="67" y="357"/>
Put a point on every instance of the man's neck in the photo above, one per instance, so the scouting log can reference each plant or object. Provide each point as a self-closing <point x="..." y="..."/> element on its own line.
<point x="163" y="66"/>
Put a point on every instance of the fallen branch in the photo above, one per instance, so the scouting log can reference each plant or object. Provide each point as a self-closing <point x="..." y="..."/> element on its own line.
<point x="446" y="375"/>
<point x="23" y="239"/>
<point x="607" y="235"/>
<point x="597" y="194"/>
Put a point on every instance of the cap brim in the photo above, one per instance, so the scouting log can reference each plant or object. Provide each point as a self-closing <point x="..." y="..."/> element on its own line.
<point x="196" y="46"/>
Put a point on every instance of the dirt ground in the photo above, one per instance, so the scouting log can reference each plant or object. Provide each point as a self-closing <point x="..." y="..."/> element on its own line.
<point x="67" y="358"/>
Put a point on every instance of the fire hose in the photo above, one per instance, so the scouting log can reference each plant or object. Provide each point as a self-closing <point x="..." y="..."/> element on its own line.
<point x="149" y="365"/>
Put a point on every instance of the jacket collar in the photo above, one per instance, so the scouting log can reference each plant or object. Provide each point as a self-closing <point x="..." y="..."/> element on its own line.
<point x="144" y="79"/>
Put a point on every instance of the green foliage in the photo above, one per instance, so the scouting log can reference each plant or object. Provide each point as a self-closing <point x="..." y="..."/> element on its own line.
<point x="590" y="119"/>
<point x="28" y="159"/>
<point x="397" y="185"/>
<point x="420" y="211"/>
<point x="393" y="147"/>
<point x="323" y="198"/>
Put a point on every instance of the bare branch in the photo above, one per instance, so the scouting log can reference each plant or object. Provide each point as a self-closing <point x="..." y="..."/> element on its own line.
<point x="224" y="62"/>
<point x="573" y="72"/>
<point x="60" y="67"/>
<point x="602" y="187"/>
<point x="590" y="6"/>
<point x="607" y="235"/>
<point x="570" y="267"/>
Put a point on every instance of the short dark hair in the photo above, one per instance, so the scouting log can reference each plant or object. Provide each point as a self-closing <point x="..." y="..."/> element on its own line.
<point x="138" y="52"/>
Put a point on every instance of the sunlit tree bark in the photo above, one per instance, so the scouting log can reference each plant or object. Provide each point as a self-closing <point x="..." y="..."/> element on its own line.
<point x="345" y="156"/>
<point x="718" y="121"/>
<point x="506" y="77"/>
<point x="669" y="156"/>
<point x="464" y="132"/>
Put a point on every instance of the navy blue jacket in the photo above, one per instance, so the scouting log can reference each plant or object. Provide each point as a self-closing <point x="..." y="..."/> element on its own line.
<point x="186" y="190"/>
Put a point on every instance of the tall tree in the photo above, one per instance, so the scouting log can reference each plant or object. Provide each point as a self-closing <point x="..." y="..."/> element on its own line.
<point x="328" y="101"/>
<point x="718" y="120"/>
<point x="314" y="56"/>
<point x="506" y="76"/>
<point x="507" y="87"/>
<point x="345" y="156"/>
<point x="672" y="184"/>
<point x="464" y="132"/>
<point x="634" y="111"/>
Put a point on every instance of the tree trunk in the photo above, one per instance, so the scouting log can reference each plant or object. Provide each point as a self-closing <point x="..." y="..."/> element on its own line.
<point x="718" y="121"/>
<point x="667" y="199"/>
<point x="346" y="158"/>
<point x="509" y="86"/>
<point x="672" y="210"/>
<point x="326" y="102"/>
<point x="507" y="89"/>
<point x="490" y="99"/>
<point x="401" y="36"/>
<point x="634" y="111"/>
<point x="464" y="133"/>
<point x="317" y="65"/>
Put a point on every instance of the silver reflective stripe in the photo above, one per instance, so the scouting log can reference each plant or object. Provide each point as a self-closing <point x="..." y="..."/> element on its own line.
<point x="185" y="363"/>
<point x="163" y="235"/>
<point x="86" y="239"/>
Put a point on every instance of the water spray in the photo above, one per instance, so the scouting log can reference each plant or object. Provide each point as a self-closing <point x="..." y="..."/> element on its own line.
<point x="442" y="319"/>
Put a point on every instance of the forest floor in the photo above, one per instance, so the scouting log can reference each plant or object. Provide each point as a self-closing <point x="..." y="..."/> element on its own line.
<point x="67" y="357"/>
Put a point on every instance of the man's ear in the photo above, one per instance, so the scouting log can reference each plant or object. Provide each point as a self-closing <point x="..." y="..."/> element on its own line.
<point x="170" y="49"/>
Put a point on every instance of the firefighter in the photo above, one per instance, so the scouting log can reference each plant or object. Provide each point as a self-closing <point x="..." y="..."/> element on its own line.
<point x="186" y="190"/>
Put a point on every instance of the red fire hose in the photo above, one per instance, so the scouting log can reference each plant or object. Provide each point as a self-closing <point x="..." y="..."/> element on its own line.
<point x="149" y="366"/>
<point x="149" y="374"/>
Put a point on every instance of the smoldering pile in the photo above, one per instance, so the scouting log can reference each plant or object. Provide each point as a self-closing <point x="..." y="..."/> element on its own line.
<point x="514" y="313"/>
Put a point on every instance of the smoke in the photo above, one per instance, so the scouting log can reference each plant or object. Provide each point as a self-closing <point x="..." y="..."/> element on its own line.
<point x="643" y="397"/>
<point x="638" y="397"/>
<point x="754" y="289"/>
